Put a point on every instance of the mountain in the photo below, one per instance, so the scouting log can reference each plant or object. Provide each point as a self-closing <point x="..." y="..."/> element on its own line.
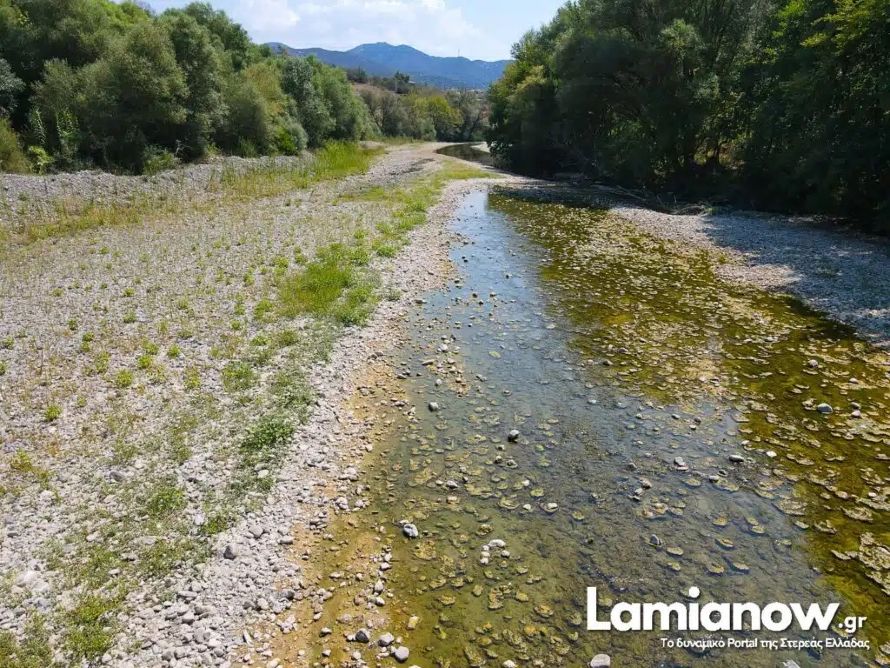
<point x="384" y="60"/>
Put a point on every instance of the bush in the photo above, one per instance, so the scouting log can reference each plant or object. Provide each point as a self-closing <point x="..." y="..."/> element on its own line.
<point x="156" y="160"/>
<point x="12" y="158"/>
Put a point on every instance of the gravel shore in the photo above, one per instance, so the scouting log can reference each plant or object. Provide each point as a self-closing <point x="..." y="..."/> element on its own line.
<point x="115" y="453"/>
<point x="124" y="393"/>
<point x="840" y="272"/>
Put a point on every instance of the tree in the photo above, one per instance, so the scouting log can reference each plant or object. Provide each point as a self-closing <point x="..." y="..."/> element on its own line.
<point x="10" y="88"/>
<point x="200" y="64"/>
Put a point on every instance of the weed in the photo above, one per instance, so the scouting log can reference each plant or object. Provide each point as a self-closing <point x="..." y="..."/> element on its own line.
<point x="166" y="498"/>
<point x="192" y="379"/>
<point x="22" y="464"/>
<point x="2" y="368"/>
<point x="91" y="627"/>
<point x="174" y="351"/>
<point x="123" y="379"/>
<point x="286" y="338"/>
<point x="237" y="376"/>
<point x="129" y="317"/>
<point x="52" y="413"/>
<point x="33" y="651"/>
<point x="101" y="363"/>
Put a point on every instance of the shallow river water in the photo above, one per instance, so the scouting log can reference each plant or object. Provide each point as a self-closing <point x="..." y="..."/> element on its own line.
<point x="669" y="436"/>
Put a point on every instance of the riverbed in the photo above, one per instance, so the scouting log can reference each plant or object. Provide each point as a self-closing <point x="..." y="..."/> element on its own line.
<point x="587" y="405"/>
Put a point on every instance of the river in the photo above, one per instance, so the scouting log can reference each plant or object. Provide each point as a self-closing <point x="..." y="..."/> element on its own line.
<point x="672" y="431"/>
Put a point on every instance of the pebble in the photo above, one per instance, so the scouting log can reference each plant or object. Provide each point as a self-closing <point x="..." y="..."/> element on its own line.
<point x="824" y="408"/>
<point x="410" y="530"/>
<point x="401" y="654"/>
<point x="601" y="661"/>
<point x="513" y="436"/>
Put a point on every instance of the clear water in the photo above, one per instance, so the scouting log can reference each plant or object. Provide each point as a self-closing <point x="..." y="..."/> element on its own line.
<point x="613" y="354"/>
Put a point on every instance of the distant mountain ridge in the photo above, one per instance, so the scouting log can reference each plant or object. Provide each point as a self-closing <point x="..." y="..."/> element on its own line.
<point x="383" y="60"/>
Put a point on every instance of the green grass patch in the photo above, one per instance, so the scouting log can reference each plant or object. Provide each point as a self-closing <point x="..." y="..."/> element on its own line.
<point x="333" y="285"/>
<point x="238" y="376"/>
<point x="32" y="652"/>
<point x="91" y="627"/>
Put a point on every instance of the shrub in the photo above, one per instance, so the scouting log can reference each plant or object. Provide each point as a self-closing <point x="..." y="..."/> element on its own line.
<point x="156" y="160"/>
<point x="12" y="158"/>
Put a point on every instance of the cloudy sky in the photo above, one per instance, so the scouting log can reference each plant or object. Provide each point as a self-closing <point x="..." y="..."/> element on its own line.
<point x="483" y="29"/>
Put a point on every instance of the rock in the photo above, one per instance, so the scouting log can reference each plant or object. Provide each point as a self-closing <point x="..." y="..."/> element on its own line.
<point x="413" y="621"/>
<point x="433" y="406"/>
<point x="824" y="408"/>
<point x="790" y="663"/>
<point x="736" y="459"/>
<point x="386" y="640"/>
<point x="509" y="663"/>
<point x="401" y="654"/>
<point x="601" y="661"/>
<point x="362" y="636"/>
<point x="230" y="552"/>
<point x="410" y="530"/>
<point x="513" y="436"/>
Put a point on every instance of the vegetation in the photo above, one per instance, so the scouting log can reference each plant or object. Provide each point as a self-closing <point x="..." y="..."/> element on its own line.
<point x="418" y="112"/>
<point x="93" y="82"/>
<point x="777" y="103"/>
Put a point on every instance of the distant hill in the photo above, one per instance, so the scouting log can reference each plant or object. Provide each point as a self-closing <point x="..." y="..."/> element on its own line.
<point x="384" y="60"/>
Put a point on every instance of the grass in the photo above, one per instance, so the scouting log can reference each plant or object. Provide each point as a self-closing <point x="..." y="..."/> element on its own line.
<point x="32" y="652"/>
<point x="22" y="465"/>
<point x="336" y="160"/>
<point x="70" y="215"/>
<point x="91" y="627"/>
<point x="333" y="285"/>
<point x="52" y="413"/>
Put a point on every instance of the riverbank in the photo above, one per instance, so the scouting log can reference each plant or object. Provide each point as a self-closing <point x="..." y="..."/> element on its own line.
<point x="157" y="375"/>
<point x="204" y="464"/>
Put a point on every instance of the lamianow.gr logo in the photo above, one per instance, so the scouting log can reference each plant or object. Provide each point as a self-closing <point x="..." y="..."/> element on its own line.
<point x="714" y="616"/>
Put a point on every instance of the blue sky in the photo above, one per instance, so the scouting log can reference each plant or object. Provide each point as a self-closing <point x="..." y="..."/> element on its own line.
<point x="483" y="29"/>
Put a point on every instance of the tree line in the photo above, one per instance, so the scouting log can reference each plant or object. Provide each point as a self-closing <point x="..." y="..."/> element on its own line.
<point x="97" y="83"/>
<point x="781" y="104"/>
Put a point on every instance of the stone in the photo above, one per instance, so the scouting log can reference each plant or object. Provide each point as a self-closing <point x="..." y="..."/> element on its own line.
<point x="513" y="435"/>
<point x="401" y="654"/>
<point x="386" y="640"/>
<point x="601" y="661"/>
<point x="410" y="530"/>
<point x="433" y="406"/>
<point x="736" y="459"/>
<point x="362" y="636"/>
<point x="230" y="552"/>
<point x="824" y="408"/>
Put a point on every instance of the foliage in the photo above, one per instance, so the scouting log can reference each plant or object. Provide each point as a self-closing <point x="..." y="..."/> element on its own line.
<point x="784" y="103"/>
<point x="426" y="113"/>
<point x="12" y="158"/>
<point x="94" y="82"/>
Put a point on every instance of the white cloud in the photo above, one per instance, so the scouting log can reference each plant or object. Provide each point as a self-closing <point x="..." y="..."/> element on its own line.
<point x="266" y="17"/>
<point x="429" y="25"/>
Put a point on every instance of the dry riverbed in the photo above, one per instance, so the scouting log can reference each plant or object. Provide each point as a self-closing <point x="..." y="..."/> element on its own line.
<point x="169" y="415"/>
<point x="190" y="402"/>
